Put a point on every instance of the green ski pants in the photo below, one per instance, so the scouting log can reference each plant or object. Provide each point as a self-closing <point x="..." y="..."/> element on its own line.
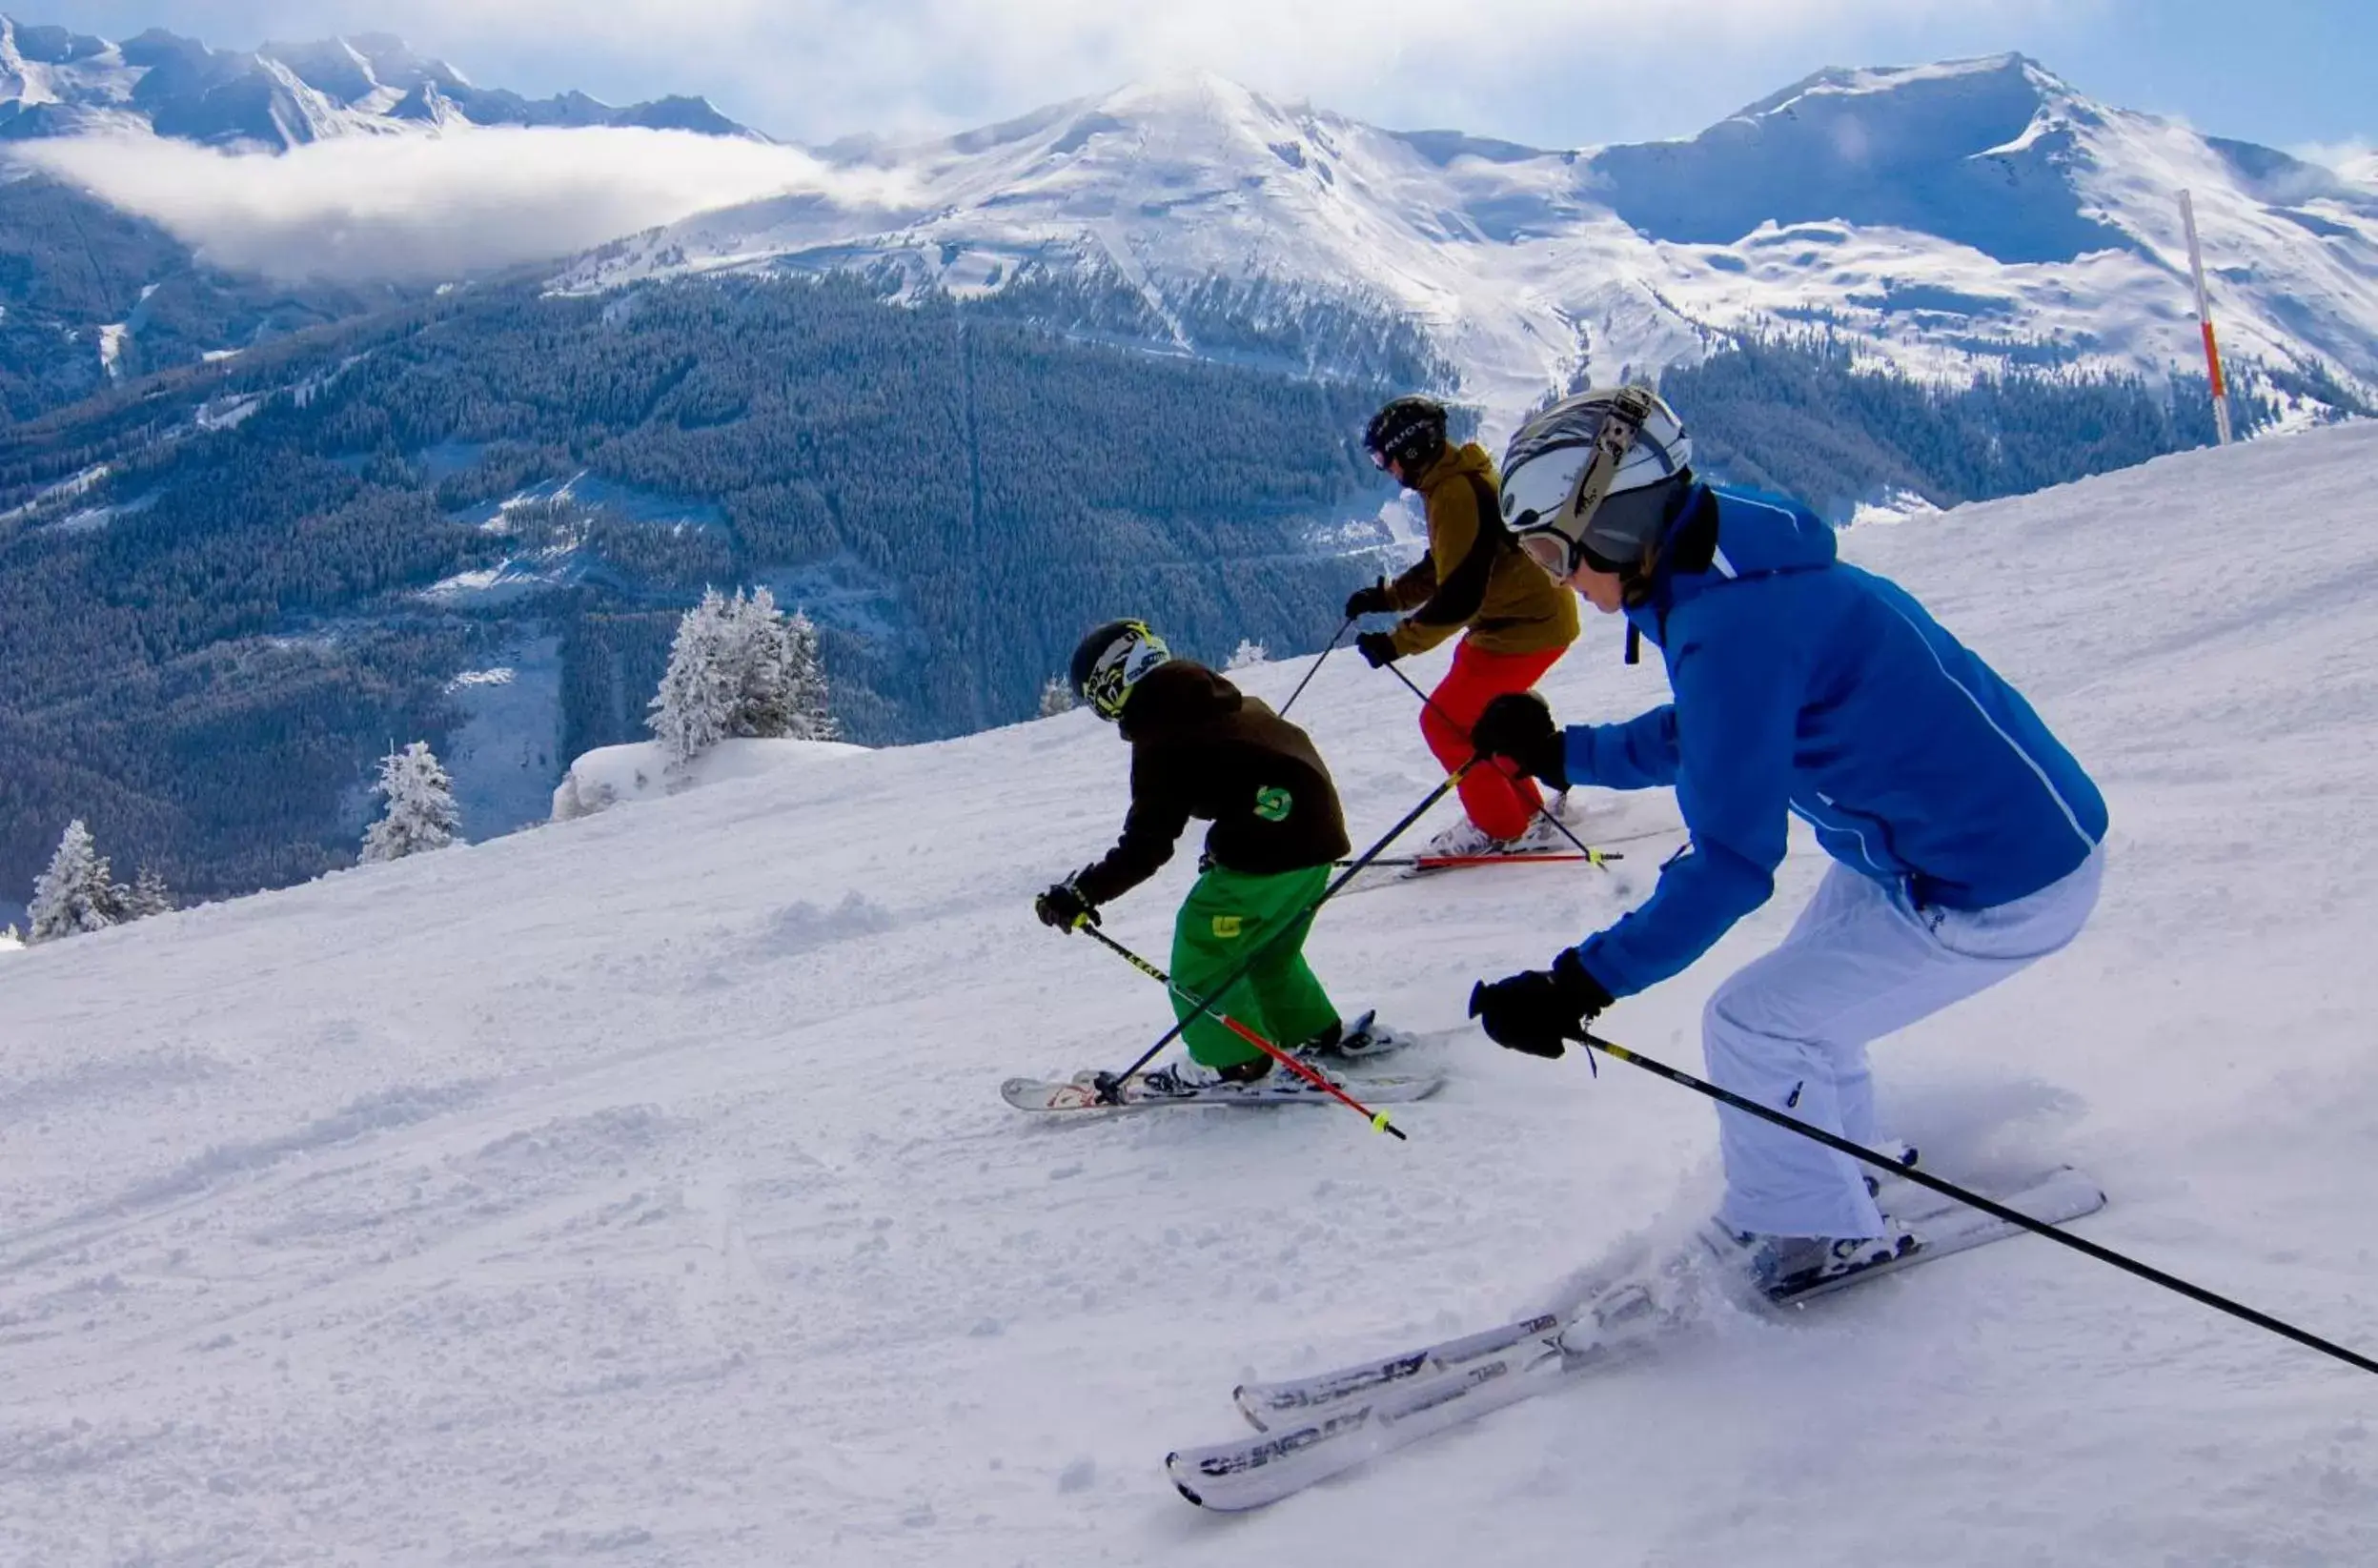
<point x="1228" y="915"/>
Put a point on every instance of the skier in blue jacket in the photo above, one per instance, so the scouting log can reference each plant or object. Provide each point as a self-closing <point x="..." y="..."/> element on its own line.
<point x="1965" y="838"/>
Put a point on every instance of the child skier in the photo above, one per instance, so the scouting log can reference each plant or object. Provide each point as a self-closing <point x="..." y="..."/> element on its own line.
<point x="1966" y="839"/>
<point x="1202" y="748"/>
<point x="1517" y="625"/>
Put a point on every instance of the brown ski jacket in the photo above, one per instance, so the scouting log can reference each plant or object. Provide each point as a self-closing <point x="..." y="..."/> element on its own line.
<point x="1473" y="576"/>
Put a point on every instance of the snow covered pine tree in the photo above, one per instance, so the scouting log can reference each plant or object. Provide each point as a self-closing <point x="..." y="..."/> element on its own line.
<point x="740" y="666"/>
<point x="421" y="813"/>
<point x="1056" y="697"/>
<point x="76" y="893"/>
<point x="149" y="895"/>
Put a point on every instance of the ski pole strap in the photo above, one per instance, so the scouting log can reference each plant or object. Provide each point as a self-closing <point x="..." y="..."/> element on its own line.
<point x="1200" y="1005"/>
<point x="1463" y="730"/>
<point x="1995" y="1210"/>
<point x="1288" y="1059"/>
<point x="1316" y="667"/>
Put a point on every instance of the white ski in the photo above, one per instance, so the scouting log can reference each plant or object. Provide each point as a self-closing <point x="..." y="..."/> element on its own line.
<point x="1081" y="1097"/>
<point x="1317" y="1427"/>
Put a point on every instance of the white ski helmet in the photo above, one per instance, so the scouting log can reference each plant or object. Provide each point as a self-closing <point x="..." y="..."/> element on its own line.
<point x="1568" y="472"/>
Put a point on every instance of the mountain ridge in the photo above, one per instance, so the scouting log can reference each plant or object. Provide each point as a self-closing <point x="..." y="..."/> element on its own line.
<point x="1952" y="219"/>
<point x="55" y="82"/>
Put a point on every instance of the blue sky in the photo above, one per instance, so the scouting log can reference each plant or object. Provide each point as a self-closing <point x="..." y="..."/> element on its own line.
<point x="1555" y="72"/>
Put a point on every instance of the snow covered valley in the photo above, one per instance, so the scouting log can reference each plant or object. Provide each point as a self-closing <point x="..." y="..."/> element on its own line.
<point x="635" y="1190"/>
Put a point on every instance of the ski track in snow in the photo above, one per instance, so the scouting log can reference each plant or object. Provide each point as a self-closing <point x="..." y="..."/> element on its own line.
<point x="637" y="1190"/>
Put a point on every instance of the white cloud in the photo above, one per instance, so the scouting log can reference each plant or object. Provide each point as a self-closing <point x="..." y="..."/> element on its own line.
<point x="425" y="208"/>
<point x="2356" y="157"/>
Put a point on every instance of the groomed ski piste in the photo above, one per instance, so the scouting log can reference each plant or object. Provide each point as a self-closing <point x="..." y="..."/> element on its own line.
<point x="637" y="1190"/>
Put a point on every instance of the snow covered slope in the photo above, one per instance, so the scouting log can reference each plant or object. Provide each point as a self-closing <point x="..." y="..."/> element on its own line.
<point x="635" y="1190"/>
<point x="1967" y="215"/>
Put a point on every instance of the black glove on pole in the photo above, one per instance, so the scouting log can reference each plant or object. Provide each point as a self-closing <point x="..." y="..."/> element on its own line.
<point x="1064" y="908"/>
<point x="1370" y="600"/>
<point x="1593" y="856"/>
<point x="1536" y="1011"/>
<point x="1378" y="648"/>
<point x="1518" y="724"/>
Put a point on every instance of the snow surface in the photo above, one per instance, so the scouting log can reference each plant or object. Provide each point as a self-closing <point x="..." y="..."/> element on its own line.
<point x="635" y="1190"/>
<point x="607" y="776"/>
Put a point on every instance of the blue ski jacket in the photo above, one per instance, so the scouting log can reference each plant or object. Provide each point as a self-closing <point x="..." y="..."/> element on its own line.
<point x="1803" y="685"/>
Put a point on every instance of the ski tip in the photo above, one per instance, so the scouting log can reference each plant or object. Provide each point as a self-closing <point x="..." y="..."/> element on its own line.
<point x="1247" y="1407"/>
<point x="1173" y="1470"/>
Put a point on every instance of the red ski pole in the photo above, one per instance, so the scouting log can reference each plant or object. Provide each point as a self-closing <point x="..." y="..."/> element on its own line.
<point x="1303" y="1069"/>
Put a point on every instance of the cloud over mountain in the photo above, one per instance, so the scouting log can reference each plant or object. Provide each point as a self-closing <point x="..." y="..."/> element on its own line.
<point x="432" y="208"/>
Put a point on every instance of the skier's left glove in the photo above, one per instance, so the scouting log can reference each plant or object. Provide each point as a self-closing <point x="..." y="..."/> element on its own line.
<point x="1536" y="1011"/>
<point x="1378" y="648"/>
<point x="1518" y="724"/>
<point x="1064" y="908"/>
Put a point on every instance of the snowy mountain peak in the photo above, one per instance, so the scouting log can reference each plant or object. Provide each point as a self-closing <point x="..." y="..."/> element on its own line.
<point x="1955" y="218"/>
<point x="281" y="94"/>
<point x="1989" y="75"/>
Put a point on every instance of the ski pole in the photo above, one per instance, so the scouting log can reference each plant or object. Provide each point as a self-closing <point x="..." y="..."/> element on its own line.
<point x="1304" y="1070"/>
<point x="1593" y="857"/>
<point x="1105" y="1082"/>
<point x="1520" y="857"/>
<point x="1995" y="1210"/>
<point x="1316" y="668"/>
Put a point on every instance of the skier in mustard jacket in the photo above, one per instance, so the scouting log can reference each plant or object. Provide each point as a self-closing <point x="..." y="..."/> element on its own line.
<point x="1514" y="623"/>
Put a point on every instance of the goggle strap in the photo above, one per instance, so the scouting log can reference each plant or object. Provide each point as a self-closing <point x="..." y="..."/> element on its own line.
<point x="1629" y="408"/>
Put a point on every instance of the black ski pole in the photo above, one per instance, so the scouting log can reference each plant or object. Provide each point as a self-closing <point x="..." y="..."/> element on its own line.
<point x="1288" y="1059"/>
<point x="1995" y="1210"/>
<point x="1316" y="668"/>
<point x="1105" y="1082"/>
<point x="1592" y="855"/>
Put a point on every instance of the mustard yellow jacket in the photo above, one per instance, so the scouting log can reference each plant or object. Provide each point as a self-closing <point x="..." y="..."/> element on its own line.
<point x="1473" y="576"/>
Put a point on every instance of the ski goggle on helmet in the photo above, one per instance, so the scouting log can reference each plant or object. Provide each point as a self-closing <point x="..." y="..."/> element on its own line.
<point x="1110" y="662"/>
<point x="1564" y="469"/>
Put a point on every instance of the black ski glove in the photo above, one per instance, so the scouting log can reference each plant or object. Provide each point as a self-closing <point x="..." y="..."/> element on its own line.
<point x="1518" y="724"/>
<point x="1064" y="908"/>
<point x="1370" y="600"/>
<point x="1378" y="648"/>
<point x="1534" y="1011"/>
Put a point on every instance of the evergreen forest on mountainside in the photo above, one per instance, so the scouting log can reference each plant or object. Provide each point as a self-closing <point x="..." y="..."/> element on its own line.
<point x="224" y="589"/>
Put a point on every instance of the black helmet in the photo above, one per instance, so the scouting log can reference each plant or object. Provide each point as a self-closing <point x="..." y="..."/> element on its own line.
<point x="1410" y="431"/>
<point x="1110" y="662"/>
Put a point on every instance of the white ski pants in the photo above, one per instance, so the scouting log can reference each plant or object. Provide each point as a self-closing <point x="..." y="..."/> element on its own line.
<point x="1790" y="1030"/>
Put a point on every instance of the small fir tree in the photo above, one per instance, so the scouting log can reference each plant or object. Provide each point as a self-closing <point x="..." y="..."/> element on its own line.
<point x="421" y="812"/>
<point x="689" y="713"/>
<point x="805" y="694"/>
<point x="76" y="893"/>
<point x="1056" y="696"/>
<point x="1249" y="652"/>
<point x="148" y="896"/>
<point x="740" y="666"/>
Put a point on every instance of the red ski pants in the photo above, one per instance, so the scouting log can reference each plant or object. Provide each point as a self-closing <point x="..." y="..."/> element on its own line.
<point x="1501" y="800"/>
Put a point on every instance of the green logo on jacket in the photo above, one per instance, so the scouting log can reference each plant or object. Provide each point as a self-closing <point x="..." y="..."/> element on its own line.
<point x="1272" y="802"/>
